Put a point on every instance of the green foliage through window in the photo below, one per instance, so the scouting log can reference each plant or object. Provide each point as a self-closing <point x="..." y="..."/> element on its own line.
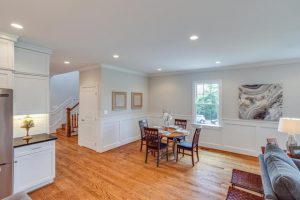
<point x="207" y="103"/>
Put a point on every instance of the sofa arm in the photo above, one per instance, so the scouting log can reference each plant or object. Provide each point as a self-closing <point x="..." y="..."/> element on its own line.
<point x="297" y="162"/>
<point x="267" y="186"/>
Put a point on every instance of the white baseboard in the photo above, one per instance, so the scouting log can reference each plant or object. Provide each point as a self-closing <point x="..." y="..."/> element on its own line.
<point x="118" y="144"/>
<point x="40" y="184"/>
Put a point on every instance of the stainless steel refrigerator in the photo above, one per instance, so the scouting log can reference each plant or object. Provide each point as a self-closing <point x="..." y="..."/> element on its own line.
<point x="6" y="142"/>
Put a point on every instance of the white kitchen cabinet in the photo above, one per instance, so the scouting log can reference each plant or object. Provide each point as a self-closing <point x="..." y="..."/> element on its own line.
<point x="6" y="54"/>
<point x="34" y="166"/>
<point x="31" y="94"/>
<point x="32" y="62"/>
<point x="6" y="79"/>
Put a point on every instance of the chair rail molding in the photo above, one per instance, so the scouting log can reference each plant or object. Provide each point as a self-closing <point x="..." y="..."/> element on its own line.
<point x="234" y="135"/>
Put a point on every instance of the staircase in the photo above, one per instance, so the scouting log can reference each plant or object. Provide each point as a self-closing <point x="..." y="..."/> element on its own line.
<point x="71" y="127"/>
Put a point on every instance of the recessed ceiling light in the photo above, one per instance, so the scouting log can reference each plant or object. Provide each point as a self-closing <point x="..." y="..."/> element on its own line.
<point x="116" y="56"/>
<point x="194" y="37"/>
<point x="159" y="69"/>
<point x="67" y="62"/>
<point x="18" y="26"/>
<point x="218" y="62"/>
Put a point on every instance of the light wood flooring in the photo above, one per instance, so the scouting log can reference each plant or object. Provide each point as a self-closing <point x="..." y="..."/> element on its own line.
<point x="121" y="174"/>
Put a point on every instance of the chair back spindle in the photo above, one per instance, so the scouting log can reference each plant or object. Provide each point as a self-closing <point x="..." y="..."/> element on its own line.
<point x="182" y="123"/>
<point x="152" y="138"/>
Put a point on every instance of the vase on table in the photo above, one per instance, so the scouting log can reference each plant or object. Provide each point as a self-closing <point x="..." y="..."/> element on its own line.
<point x="27" y="124"/>
<point x="27" y="136"/>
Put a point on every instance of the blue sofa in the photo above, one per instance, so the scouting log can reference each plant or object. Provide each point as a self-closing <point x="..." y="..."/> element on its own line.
<point x="280" y="174"/>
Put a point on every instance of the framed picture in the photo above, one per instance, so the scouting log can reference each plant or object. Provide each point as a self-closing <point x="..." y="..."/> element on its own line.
<point x="136" y="100"/>
<point x="119" y="100"/>
<point x="261" y="102"/>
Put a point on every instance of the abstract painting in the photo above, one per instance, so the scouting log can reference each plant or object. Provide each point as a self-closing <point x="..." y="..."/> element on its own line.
<point x="261" y="102"/>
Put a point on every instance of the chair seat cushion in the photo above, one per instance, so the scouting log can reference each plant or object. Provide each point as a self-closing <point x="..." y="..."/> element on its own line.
<point x="185" y="144"/>
<point x="179" y="139"/>
<point x="154" y="145"/>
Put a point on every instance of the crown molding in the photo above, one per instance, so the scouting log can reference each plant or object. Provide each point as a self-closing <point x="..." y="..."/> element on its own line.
<point x="230" y="67"/>
<point x="89" y="67"/>
<point x="32" y="47"/>
<point x="129" y="71"/>
<point x="10" y="37"/>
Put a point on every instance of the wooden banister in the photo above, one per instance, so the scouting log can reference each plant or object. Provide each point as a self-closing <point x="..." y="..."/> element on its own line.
<point x="75" y="106"/>
<point x="72" y="120"/>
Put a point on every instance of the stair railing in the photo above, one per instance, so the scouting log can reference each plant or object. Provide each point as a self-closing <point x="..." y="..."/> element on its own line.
<point x="72" y="119"/>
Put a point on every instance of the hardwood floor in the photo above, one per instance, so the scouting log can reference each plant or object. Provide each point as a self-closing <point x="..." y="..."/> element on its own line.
<point x="122" y="174"/>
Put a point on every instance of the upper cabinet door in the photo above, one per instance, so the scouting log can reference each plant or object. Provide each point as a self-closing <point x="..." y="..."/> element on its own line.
<point x="6" y="54"/>
<point x="31" y="94"/>
<point x="32" y="62"/>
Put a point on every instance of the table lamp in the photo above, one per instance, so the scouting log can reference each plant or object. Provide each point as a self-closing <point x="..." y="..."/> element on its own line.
<point x="290" y="126"/>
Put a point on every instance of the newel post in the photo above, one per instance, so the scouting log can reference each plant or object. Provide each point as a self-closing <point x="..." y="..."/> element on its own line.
<point x="69" y="122"/>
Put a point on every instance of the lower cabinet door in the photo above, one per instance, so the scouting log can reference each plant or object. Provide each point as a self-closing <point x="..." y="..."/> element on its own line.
<point x="33" y="170"/>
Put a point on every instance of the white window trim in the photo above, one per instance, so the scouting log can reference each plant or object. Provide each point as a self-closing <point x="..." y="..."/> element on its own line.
<point x="194" y="100"/>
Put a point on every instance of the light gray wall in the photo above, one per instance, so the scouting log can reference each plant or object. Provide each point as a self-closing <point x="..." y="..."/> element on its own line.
<point x="175" y="91"/>
<point x="118" y="81"/>
<point x="115" y="128"/>
<point x="62" y="87"/>
<point x="90" y="77"/>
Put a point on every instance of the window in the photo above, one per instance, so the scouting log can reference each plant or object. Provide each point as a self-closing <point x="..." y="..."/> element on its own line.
<point x="207" y="109"/>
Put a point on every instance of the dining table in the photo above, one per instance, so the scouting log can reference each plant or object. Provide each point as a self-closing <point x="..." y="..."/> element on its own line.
<point x="170" y="133"/>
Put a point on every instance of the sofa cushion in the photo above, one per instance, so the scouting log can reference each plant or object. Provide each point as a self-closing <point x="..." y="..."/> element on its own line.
<point x="267" y="186"/>
<point x="285" y="179"/>
<point x="274" y="150"/>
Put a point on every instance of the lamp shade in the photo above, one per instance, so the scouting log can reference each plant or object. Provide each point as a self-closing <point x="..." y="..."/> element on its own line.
<point x="290" y="126"/>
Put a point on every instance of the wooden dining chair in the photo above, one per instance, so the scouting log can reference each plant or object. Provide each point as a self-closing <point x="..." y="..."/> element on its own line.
<point x="190" y="146"/>
<point x="143" y="124"/>
<point x="181" y="123"/>
<point x="154" y="144"/>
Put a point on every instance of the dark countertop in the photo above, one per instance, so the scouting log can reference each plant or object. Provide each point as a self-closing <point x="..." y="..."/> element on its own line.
<point x="19" y="142"/>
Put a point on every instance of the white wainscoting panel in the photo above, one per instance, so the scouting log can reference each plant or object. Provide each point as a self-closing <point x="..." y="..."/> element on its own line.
<point x="239" y="137"/>
<point x="110" y="135"/>
<point x="117" y="131"/>
<point x="234" y="135"/>
<point x="211" y="138"/>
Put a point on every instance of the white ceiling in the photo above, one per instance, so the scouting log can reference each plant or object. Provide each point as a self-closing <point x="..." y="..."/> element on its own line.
<point x="151" y="33"/>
